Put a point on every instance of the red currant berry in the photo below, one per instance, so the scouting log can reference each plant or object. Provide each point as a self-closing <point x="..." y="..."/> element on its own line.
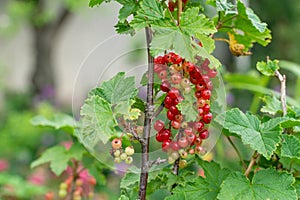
<point x="171" y="6"/>
<point x="170" y="115"/>
<point x="201" y="102"/>
<point x="191" y="151"/>
<point x="183" y="142"/>
<point x="200" y="87"/>
<point x="159" y="125"/>
<point x="176" y="59"/>
<point x="198" y="126"/>
<point x="198" y="94"/>
<point x="174" y="110"/>
<point x="174" y="93"/>
<point x="204" y="134"/>
<point x="185" y="83"/>
<point x="200" y="150"/>
<point x="168" y="101"/>
<point x="212" y="73"/>
<point x="176" y="78"/>
<point x="165" y="86"/>
<point x="207" y="118"/>
<point x="191" y="138"/>
<point x="165" y="134"/>
<point x="159" y="60"/>
<point x="198" y="141"/>
<point x="188" y="67"/>
<point x="116" y="143"/>
<point x="206" y="108"/>
<point x="176" y="124"/>
<point x="175" y="146"/>
<point x="188" y="131"/>
<point x="157" y="68"/>
<point x="200" y="111"/>
<point x="206" y="94"/>
<point x="163" y="74"/>
<point x="166" y="145"/>
<point x="205" y="64"/>
<point x="178" y="118"/>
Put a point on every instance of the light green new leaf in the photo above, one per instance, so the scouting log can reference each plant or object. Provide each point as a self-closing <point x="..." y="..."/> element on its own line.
<point x="58" y="121"/>
<point x="266" y="184"/>
<point x="268" y="68"/>
<point x="194" y="24"/>
<point x="98" y="121"/>
<point x="119" y="88"/>
<point x="263" y="137"/>
<point x="272" y="105"/>
<point x="187" y="107"/>
<point x="123" y="197"/>
<point x="290" y="146"/>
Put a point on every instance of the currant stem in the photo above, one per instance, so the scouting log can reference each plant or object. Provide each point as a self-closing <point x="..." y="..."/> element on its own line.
<point x="158" y="111"/>
<point x="147" y="121"/>
<point x="255" y="156"/>
<point x="237" y="152"/>
<point x="282" y="80"/>
<point x="179" y="5"/>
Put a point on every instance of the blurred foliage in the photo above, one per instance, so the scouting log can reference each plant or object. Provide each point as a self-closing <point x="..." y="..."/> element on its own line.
<point x="283" y="19"/>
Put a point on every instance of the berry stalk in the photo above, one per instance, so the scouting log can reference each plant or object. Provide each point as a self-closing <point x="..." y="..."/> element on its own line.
<point x="148" y="120"/>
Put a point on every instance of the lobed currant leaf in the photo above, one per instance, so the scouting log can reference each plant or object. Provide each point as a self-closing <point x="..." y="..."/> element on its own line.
<point x="266" y="184"/>
<point x="272" y="105"/>
<point x="93" y="3"/>
<point x="263" y="137"/>
<point x="98" y="121"/>
<point x="128" y="7"/>
<point x="268" y="68"/>
<point x="223" y="5"/>
<point x="57" y="121"/>
<point x="290" y="146"/>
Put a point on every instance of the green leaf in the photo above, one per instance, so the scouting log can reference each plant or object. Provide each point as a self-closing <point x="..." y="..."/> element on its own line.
<point x="93" y="3"/>
<point x="256" y="22"/>
<point x="150" y="11"/>
<point x="272" y="105"/>
<point x="172" y="39"/>
<point x="58" y="121"/>
<point x="202" y="188"/>
<point x="263" y="137"/>
<point x="124" y="28"/>
<point x="123" y="197"/>
<point x="98" y="121"/>
<point x="193" y="23"/>
<point x="207" y="42"/>
<point x="187" y="107"/>
<point x="223" y="5"/>
<point x="119" y="88"/>
<point x="58" y="157"/>
<point x="297" y="186"/>
<point x="290" y="146"/>
<point x="129" y="7"/>
<point x="129" y="180"/>
<point x="266" y="184"/>
<point x="268" y="68"/>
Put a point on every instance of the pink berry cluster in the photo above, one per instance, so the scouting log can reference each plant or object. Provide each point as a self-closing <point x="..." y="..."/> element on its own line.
<point x="121" y="154"/>
<point x="179" y="78"/>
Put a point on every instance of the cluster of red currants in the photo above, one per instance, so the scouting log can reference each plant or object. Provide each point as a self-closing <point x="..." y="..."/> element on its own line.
<point x="121" y="154"/>
<point x="178" y="79"/>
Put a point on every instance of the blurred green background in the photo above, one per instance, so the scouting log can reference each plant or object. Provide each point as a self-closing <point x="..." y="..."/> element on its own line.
<point x="42" y="46"/>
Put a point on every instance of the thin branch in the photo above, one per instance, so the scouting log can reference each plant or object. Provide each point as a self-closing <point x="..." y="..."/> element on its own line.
<point x="179" y="5"/>
<point x="149" y="111"/>
<point x="237" y="152"/>
<point x="158" y="111"/>
<point x="282" y="80"/>
<point x="158" y="161"/>
<point x="131" y="130"/>
<point x="255" y="156"/>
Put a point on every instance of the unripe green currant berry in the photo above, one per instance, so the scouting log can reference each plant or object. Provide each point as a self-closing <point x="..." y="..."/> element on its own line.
<point x="182" y="163"/>
<point x="117" y="153"/>
<point x="79" y="182"/>
<point x="180" y="151"/>
<point x="91" y="195"/>
<point x="129" y="150"/>
<point x="63" y="186"/>
<point x="62" y="193"/>
<point x="123" y="156"/>
<point x="129" y="160"/>
<point x="184" y="154"/>
<point x="118" y="160"/>
<point x="171" y="160"/>
<point x="174" y="155"/>
<point x="77" y="198"/>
